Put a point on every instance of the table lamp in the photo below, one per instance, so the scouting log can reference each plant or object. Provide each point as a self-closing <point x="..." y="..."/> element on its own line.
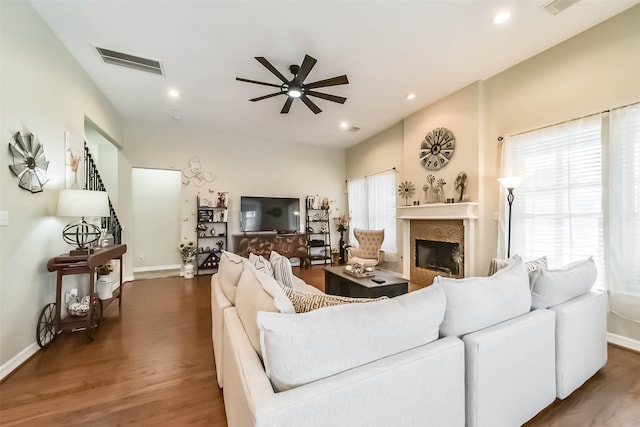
<point x="82" y="203"/>
<point x="509" y="183"/>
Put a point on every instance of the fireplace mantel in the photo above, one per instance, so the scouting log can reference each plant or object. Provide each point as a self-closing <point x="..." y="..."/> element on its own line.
<point x="467" y="212"/>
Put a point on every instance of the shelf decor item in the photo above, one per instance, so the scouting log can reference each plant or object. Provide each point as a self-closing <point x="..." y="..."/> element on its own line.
<point x="406" y="191"/>
<point x="342" y="224"/>
<point x="461" y="184"/>
<point x="104" y="284"/>
<point x="29" y="163"/>
<point x="82" y="203"/>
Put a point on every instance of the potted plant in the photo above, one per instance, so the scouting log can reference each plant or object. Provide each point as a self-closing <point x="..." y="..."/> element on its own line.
<point x="188" y="252"/>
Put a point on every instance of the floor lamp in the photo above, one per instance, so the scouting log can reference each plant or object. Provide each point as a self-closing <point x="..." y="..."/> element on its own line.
<point x="510" y="183"/>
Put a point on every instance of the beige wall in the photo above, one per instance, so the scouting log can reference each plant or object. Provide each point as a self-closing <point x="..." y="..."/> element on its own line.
<point x="591" y="72"/>
<point x="44" y="91"/>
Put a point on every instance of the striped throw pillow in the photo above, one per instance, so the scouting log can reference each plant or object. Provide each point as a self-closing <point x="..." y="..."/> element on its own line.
<point x="281" y="269"/>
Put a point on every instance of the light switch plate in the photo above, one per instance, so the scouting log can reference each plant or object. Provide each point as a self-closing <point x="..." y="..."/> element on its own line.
<point x="4" y="218"/>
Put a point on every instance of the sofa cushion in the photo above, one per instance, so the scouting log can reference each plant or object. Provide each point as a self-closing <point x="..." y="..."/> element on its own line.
<point x="553" y="287"/>
<point x="281" y="269"/>
<point x="304" y="302"/>
<point x="258" y="292"/>
<point x="498" y="264"/>
<point x="342" y="337"/>
<point x="229" y="271"/>
<point x="477" y="302"/>
<point x="261" y="264"/>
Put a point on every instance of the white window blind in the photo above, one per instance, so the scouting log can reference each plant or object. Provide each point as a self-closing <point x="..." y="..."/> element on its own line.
<point x="557" y="210"/>
<point x="372" y="206"/>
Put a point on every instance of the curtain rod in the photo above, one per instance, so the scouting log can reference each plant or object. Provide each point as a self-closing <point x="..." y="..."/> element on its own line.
<point x="375" y="173"/>
<point x="500" y="139"/>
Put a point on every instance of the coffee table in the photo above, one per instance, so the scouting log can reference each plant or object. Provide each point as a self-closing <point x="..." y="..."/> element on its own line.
<point x="337" y="282"/>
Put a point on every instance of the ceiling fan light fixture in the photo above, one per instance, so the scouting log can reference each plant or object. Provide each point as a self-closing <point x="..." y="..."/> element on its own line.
<point x="294" y="91"/>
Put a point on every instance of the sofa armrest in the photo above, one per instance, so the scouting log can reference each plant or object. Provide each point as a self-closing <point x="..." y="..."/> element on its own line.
<point x="424" y="383"/>
<point x="218" y="304"/>
<point x="581" y="340"/>
<point x="510" y="370"/>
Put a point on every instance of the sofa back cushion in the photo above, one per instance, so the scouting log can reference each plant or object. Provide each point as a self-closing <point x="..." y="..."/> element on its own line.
<point x="553" y="287"/>
<point x="229" y="271"/>
<point x="258" y="292"/>
<point x="282" y="271"/>
<point x="301" y="348"/>
<point x="475" y="303"/>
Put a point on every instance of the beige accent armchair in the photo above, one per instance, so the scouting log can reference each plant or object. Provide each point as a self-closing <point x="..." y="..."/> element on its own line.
<point x="368" y="251"/>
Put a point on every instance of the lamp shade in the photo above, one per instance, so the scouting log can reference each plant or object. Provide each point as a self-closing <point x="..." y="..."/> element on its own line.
<point x="83" y="203"/>
<point x="510" y="182"/>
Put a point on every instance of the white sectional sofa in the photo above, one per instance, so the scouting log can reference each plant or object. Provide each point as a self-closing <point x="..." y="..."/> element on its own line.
<point x="463" y="352"/>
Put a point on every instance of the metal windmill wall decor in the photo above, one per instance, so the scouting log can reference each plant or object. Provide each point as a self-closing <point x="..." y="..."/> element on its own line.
<point x="29" y="162"/>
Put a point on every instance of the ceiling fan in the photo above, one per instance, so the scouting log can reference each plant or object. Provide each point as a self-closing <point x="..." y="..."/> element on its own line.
<point x="296" y="88"/>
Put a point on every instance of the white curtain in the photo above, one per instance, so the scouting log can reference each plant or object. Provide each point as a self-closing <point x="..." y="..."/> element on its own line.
<point x="372" y="206"/>
<point x="580" y="197"/>
<point x="623" y="260"/>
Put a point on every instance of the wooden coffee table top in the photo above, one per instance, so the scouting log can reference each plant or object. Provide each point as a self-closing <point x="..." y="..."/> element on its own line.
<point x="389" y="277"/>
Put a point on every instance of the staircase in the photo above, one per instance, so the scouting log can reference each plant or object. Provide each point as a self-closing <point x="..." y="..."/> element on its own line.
<point x="94" y="182"/>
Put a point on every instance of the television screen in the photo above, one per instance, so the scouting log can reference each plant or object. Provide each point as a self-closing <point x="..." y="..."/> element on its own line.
<point x="281" y="214"/>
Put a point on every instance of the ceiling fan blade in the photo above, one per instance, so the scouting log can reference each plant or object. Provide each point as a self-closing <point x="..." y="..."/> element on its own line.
<point x="240" y="79"/>
<point x="333" y="81"/>
<point x="287" y="105"/>
<point x="260" y="98"/>
<point x="271" y="68"/>
<point x="334" y="98"/>
<point x="309" y="103"/>
<point x="307" y="64"/>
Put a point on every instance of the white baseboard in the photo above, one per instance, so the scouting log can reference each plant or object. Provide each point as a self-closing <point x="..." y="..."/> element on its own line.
<point x="126" y="279"/>
<point x="18" y="360"/>
<point x="622" y="341"/>
<point x="157" y="268"/>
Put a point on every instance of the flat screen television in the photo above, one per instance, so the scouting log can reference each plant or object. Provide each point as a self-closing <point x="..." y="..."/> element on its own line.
<point x="280" y="214"/>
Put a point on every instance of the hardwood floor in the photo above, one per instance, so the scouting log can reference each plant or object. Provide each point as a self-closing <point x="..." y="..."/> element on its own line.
<point x="153" y="364"/>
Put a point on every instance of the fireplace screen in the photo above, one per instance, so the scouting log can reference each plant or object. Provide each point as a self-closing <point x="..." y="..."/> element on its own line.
<point x="440" y="256"/>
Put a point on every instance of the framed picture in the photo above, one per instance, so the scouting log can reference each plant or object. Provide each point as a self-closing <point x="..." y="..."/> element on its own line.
<point x="74" y="161"/>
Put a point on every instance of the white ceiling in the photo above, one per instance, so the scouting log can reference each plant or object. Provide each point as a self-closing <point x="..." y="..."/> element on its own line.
<point x="386" y="48"/>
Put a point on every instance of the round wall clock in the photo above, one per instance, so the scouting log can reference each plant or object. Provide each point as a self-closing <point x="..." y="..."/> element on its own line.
<point x="437" y="148"/>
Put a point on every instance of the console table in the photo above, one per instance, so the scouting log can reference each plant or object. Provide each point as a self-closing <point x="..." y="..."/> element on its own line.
<point x="289" y="245"/>
<point x="51" y="322"/>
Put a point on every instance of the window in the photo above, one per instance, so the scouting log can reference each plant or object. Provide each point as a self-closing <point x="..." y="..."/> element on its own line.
<point x="372" y="206"/>
<point x="580" y="196"/>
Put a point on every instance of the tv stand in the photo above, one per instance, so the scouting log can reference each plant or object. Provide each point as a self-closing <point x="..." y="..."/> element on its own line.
<point x="290" y="245"/>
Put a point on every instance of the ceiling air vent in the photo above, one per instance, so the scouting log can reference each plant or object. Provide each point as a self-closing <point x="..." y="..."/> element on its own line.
<point x="554" y="7"/>
<point x="130" y="61"/>
<point x="353" y="129"/>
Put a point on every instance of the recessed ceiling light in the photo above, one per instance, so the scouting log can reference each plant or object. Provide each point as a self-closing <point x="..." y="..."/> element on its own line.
<point x="501" y="18"/>
<point x="411" y="96"/>
<point x="174" y="93"/>
<point x="344" y="125"/>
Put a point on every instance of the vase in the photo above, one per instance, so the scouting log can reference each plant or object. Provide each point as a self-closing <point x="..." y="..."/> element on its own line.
<point x="342" y="258"/>
<point x="189" y="270"/>
<point x="104" y="287"/>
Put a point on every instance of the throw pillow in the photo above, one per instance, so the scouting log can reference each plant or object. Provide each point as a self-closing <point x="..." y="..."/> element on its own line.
<point x="477" y="302"/>
<point x="553" y="287"/>
<point x="498" y="264"/>
<point x="342" y="337"/>
<point x="261" y="264"/>
<point x="281" y="269"/>
<point x="258" y="292"/>
<point x="229" y="271"/>
<point x="304" y="302"/>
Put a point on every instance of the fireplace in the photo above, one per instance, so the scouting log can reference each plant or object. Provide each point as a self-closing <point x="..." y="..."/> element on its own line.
<point x="438" y="240"/>
<point x="443" y="257"/>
